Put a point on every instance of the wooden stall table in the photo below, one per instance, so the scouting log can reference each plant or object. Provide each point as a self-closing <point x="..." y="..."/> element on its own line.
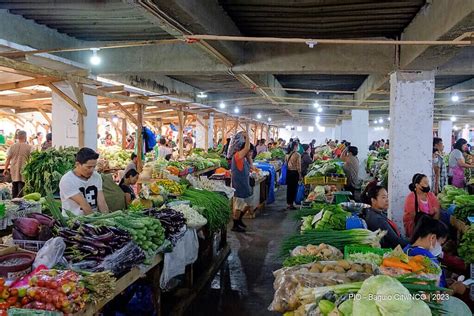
<point x="152" y="271"/>
<point x="259" y="197"/>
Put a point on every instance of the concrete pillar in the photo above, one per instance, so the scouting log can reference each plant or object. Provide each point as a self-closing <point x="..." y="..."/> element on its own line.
<point x="65" y="124"/>
<point x="359" y="136"/>
<point x="445" y="130"/>
<point x="200" y="131"/>
<point x="210" y="132"/>
<point x="411" y="134"/>
<point x="465" y="134"/>
<point x="346" y="130"/>
<point x="337" y="132"/>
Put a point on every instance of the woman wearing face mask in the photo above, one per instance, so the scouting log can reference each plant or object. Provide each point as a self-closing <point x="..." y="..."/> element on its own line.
<point x="457" y="164"/>
<point x="427" y="240"/>
<point x="376" y="217"/>
<point x="420" y="202"/>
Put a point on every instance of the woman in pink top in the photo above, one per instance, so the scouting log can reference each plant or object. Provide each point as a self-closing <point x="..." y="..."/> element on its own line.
<point x="419" y="202"/>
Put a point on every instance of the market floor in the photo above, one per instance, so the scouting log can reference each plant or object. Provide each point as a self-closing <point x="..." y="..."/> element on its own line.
<point x="253" y="258"/>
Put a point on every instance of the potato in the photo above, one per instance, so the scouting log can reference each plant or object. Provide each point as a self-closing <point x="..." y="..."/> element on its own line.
<point x="339" y="269"/>
<point x="344" y="264"/>
<point x="326" y="253"/>
<point x="330" y="282"/>
<point x="319" y="265"/>
<point x="303" y="252"/>
<point x="312" y="248"/>
<point x="315" y="269"/>
<point x="344" y="279"/>
<point x="357" y="267"/>
<point x="369" y="270"/>
<point x="327" y="268"/>
<point x="352" y="270"/>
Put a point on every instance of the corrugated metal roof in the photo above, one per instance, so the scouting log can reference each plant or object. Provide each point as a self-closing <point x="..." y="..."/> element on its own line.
<point x="322" y="18"/>
<point x="110" y="20"/>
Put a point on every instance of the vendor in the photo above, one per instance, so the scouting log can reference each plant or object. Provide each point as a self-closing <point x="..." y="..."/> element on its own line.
<point x="439" y="179"/>
<point x="457" y="164"/>
<point x="132" y="164"/>
<point x="163" y="150"/>
<point x="261" y="147"/>
<point x="48" y="143"/>
<point x="17" y="157"/>
<point x="376" y="217"/>
<point x="293" y="174"/>
<point x="108" y="140"/>
<point x="351" y="168"/>
<point x="427" y="240"/>
<point x="306" y="159"/>
<point x="130" y="178"/>
<point x="81" y="188"/>
<point x="419" y="202"/>
<point x="240" y="170"/>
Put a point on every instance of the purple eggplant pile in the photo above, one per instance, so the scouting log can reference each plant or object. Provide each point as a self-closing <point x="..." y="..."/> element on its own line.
<point x="89" y="242"/>
<point x="172" y="221"/>
<point x="35" y="226"/>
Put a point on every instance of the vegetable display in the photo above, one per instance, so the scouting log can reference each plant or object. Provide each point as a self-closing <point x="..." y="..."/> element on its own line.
<point x="172" y="221"/>
<point x="44" y="169"/>
<point x="334" y="238"/>
<point x="300" y="259"/>
<point x="449" y="194"/>
<point x="322" y="251"/>
<point x="278" y="153"/>
<point x="193" y="218"/>
<point x="264" y="156"/>
<point x="116" y="157"/>
<point x="331" y="217"/>
<point x="34" y="227"/>
<point x="170" y="186"/>
<point x="466" y="247"/>
<point x="464" y="207"/>
<point x="215" y="207"/>
<point x="369" y="257"/>
<point x="101" y="285"/>
<point x="123" y="259"/>
<point x="146" y="231"/>
<point x="325" y="168"/>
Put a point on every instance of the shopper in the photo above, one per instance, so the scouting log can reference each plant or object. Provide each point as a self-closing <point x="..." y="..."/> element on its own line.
<point x="261" y="147"/>
<point x="373" y="146"/>
<point x="109" y="141"/>
<point x="440" y="177"/>
<point x="17" y="156"/>
<point x="376" y="217"/>
<point x="351" y="168"/>
<point x="312" y="148"/>
<point x="130" y="142"/>
<point x="130" y="178"/>
<point x="240" y="170"/>
<point x="427" y="240"/>
<point x="306" y="159"/>
<point x="48" y="143"/>
<point x="457" y="164"/>
<point x="81" y="188"/>
<point x="293" y="174"/>
<point x="163" y="150"/>
<point x="419" y="202"/>
<point x="290" y="144"/>
<point x="132" y="164"/>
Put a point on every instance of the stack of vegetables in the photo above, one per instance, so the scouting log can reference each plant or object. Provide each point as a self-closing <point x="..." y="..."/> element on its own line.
<point x="200" y="163"/>
<point x="115" y="156"/>
<point x="448" y="195"/>
<point x="278" y="154"/>
<point x="331" y="217"/>
<point x="35" y="226"/>
<point x="263" y="156"/>
<point x="466" y="247"/>
<point x="464" y="207"/>
<point x="44" y="169"/>
<point x="193" y="218"/>
<point x="213" y="206"/>
<point x="212" y="154"/>
<point x="173" y="222"/>
<point x="170" y="186"/>
<point x="326" y="168"/>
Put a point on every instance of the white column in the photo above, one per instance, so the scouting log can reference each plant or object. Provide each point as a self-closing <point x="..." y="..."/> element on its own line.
<point x="200" y="131"/>
<point x="337" y="132"/>
<point x="359" y="136"/>
<point x="411" y="134"/>
<point x="346" y="130"/>
<point x="445" y="130"/>
<point x="65" y="124"/>
<point x="210" y="132"/>
<point x="465" y="134"/>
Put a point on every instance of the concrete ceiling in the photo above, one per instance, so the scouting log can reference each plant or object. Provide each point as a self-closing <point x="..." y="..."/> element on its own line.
<point x="254" y="76"/>
<point x="322" y="19"/>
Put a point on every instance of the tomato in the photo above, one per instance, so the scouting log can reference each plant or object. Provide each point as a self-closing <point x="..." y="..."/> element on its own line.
<point x="12" y="300"/>
<point x="18" y="305"/>
<point x="4" y="305"/>
<point x="31" y="292"/>
<point x="49" y="298"/>
<point x="14" y="292"/>
<point x="25" y="300"/>
<point x="3" y="312"/>
<point x="2" y="281"/>
<point x="40" y="283"/>
<point x="54" y="285"/>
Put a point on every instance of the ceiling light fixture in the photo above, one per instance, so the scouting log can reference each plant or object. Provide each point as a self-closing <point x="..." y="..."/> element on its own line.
<point x="320" y="110"/>
<point x="466" y="126"/>
<point x="115" y="119"/>
<point x="269" y="119"/>
<point x="375" y="122"/>
<point x="455" y="98"/>
<point x="316" y="104"/>
<point x="236" y="110"/>
<point x="455" y="128"/>
<point x="318" y="119"/>
<point x="299" y="128"/>
<point x="388" y="118"/>
<point x="95" y="58"/>
<point x="310" y="128"/>
<point x="222" y="105"/>
<point x="259" y="116"/>
<point x="380" y="120"/>
<point x="453" y="119"/>
<point x="202" y="95"/>
<point x="311" y="43"/>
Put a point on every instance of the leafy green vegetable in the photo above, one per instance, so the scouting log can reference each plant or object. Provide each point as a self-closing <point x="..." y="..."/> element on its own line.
<point x="44" y="169"/>
<point x="264" y="156"/>
<point x="449" y="194"/>
<point x="466" y="247"/>
<point x="464" y="207"/>
<point x="278" y="153"/>
<point x="301" y="259"/>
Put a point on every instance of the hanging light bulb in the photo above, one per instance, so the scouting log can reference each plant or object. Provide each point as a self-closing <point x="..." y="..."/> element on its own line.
<point x="380" y="120"/>
<point x="466" y="126"/>
<point x="318" y="119"/>
<point x="375" y="121"/>
<point x="269" y="119"/>
<point x="202" y="95"/>
<point x="115" y="119"/>
<point x="222" y="105"/>
<point x="453" y="119"/>
<point x="236" y="110"/>
<point x="320" y="109"/>
<point x="455" y="98"/>
<point x="259" y="116"/>
<point x="316" y="104"/>
<point x="95" y="58"/>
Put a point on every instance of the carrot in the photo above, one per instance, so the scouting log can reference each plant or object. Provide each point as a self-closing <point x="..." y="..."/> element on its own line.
<point x="418" y="258"/>
<point x="415" y="266"/>
<point x="396" y="263"/>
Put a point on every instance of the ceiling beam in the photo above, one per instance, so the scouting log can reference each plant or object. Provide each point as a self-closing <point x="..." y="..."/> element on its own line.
<point x="25" y="83"/>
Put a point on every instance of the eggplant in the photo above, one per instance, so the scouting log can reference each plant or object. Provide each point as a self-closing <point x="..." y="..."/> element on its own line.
<point x="28" y="226"/>
<point x="43" y="219"/>
<point x="18" y="235"/>
<point x="45" y="233"/>
<point x="88" y="249"/>
<point x="105" y="237"/>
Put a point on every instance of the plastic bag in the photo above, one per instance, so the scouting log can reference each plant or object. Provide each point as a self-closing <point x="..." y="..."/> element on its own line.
<point x="51" y="253"/>
<point x="300" y="194"/>
<point x="123" y="259"/>
<point x="284" y="169"/>
<point x="324" y="251"/>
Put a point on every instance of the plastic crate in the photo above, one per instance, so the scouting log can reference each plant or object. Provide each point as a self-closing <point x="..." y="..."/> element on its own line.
<point x="31" y="245"/>
<point x="31" y="312"/>
<point x="336" y="180"/>
<point x="315" y="180"/>
<point x="350" y="249"/>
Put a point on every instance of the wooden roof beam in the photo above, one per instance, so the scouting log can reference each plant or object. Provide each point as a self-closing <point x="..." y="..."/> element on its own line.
<point x="25" y="83"/>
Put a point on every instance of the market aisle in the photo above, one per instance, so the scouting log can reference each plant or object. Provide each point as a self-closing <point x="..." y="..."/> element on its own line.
<point x="254" y="256"/>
